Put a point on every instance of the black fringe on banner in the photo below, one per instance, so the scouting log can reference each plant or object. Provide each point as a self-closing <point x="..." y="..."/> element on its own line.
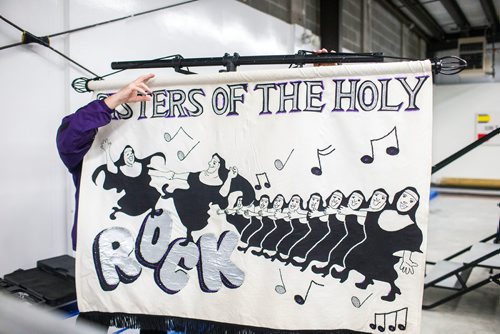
<point x="190" y="326"/>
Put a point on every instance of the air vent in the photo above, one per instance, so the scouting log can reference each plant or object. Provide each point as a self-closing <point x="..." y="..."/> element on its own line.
<point x="472" y="49"/>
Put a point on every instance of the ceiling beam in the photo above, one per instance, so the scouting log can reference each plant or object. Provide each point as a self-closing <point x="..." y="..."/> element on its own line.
<point x="490" y="12"/>
<point x="456" y="14"/>
<point x="451" y="40"/>
<point x="331" y="24"/>
<point x="403" y="18"/>
<point x="423" y="16"/>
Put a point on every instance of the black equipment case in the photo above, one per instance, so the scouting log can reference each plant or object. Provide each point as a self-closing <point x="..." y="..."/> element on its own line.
<point x="52" y="282"/>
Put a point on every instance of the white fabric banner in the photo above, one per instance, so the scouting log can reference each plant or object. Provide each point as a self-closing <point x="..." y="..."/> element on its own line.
<point x="291" y="199"/>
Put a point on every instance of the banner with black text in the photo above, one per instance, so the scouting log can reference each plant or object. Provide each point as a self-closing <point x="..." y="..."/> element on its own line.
<point x="284" y="200"/>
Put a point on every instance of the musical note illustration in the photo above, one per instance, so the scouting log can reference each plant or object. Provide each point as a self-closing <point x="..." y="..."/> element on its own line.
<point x="181" y="155"/>
<point x="302" y="300"/>
<point x="267" y="184"/>
<point x="392" y="327"/>
<point x="401" y="326"/>
<point x="374" y="325"/>
<point x="169" y="138"/>
<point x="279" y="164"/>
<point x="390" y="150"/>
<point x="323" y="152"/>
<point x="281" y="289"/>
<point x="356" y="302"/>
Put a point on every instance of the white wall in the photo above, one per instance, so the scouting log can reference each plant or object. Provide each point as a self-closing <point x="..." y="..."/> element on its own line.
<point x="455" y="109"/>
<point x="457" y="99"/>
<point x="36" y="191"/>
<point x="34" y="95"/>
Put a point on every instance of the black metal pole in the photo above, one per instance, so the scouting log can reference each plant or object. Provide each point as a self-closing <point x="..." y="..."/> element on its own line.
<point x="463" y="151"/>
<point x="297" y="59"/>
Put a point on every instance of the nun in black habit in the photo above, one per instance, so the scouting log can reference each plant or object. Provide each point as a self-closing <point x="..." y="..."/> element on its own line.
<point x="355" y="233"/>
<point x="336" y="231"/>
<point x="391" y="237"/>
<point x="130" y="175"/>
<point x="211" y="186"/>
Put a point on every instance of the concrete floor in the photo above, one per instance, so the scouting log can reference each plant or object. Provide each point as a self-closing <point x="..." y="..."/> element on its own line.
<point x="455" y="222"/>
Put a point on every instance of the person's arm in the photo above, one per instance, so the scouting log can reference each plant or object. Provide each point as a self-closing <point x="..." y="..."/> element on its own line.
<point x="226" y="212"/>
<point x="348" y="211"/>
<point x="224" y="190"/>
<point x="315" y="214"/>
<point x="130" y="93"/>
<point x="181" y="176"/>
<point x="106" y="146"/>
<point x="280" y="215"/>
<point x="77" y="131"/>
<point x="168" y="174"/>
<point x="249" y="211"/>
<point x="300" y="214"/>
<point x="267" y="213"/>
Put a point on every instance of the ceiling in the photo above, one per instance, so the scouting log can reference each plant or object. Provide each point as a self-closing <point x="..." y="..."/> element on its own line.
<point x="442" y="22"/>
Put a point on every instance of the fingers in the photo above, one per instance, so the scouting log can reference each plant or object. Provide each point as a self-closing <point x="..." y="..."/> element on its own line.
<point x="323" y="50"/>
<point x="138" y="88"/>
<point x="144" y="87"/>
<point x="141" y="91"/>
<point x="105" y="144"/>
<point x="144" y="78"/>
<point x="139" y="84"/>
<point x="407" y="268"/>
<point x="139" y="98"/>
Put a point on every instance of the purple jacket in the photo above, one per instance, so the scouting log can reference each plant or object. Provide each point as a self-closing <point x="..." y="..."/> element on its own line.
<point x="74" y="138"/>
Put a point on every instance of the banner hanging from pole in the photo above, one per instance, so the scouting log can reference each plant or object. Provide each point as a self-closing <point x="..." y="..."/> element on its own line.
<point x="267" y="201"/>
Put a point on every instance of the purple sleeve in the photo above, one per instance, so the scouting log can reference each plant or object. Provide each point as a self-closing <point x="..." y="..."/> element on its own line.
<point x="77" y="132"/>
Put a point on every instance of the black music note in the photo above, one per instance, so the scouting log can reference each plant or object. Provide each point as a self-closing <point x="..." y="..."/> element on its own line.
<point x="356" y="302"/>
<point x="374" y="325"/>
<point x="391" y="327"/>
<point x="390" y="150"/>
<point x="267" y="184"/>
<point x="279" y="164"/>
<point x="302" y="300"/>
<point x="169" y="138"/>
<point x="400" y="326"/>
<point x="181" y="155"/>
<point x="281" y="289"/>
<point x="325" y="151"/>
